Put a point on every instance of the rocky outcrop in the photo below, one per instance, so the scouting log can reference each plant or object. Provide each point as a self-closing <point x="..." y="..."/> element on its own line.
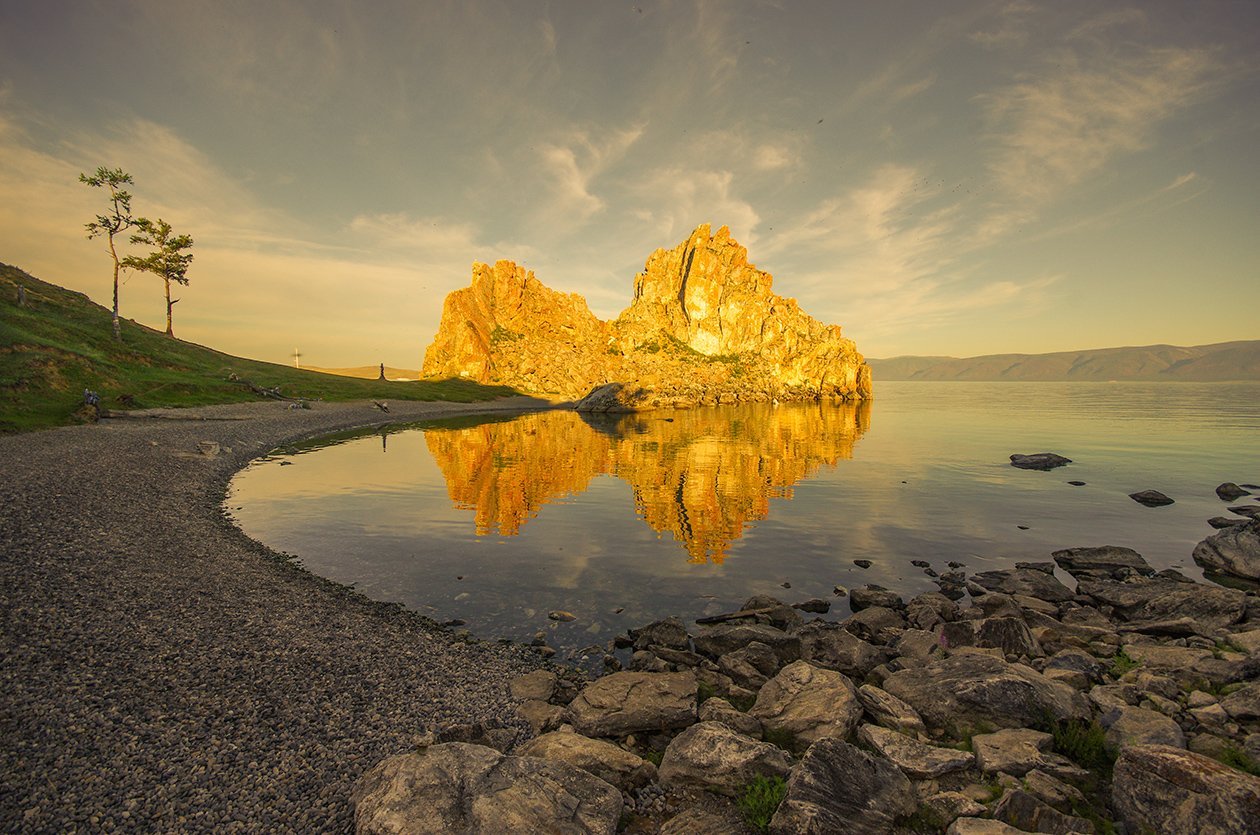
<point x="704" y="327"/>
<point x="457" y="787"/>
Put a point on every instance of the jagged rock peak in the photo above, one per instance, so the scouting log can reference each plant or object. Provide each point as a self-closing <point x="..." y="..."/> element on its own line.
<point x="704" y="326"/>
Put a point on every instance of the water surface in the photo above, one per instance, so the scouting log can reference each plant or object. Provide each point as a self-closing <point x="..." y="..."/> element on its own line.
<point x="497" y="521"/>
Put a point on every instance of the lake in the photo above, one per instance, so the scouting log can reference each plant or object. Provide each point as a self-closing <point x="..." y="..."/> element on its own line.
<point x="497" y="521"/>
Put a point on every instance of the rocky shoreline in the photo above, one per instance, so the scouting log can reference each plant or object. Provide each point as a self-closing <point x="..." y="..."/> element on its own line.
<point x="162" y="672"/>
<point x="1011" y="704"/>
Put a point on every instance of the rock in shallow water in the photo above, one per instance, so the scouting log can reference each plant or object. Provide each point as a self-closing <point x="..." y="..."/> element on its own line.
<point x="1234" y="551"/>
<point x="1151" y="498"/>
<point x="1039" y="461"/>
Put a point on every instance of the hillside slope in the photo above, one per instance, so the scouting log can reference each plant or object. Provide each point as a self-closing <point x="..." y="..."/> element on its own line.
<point x="59" y="343"/>
<point x="1224" y="361"/>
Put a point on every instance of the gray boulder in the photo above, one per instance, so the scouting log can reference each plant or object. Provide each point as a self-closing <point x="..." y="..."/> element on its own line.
<point x="1013" y="751"/>
<point x="539" y="684"/>
<point x="887" y="711"/>
<point x="458" y="787"/>
<point x="669" y="632"/>
<point x="1234" y="551"/>
<point x="837" y="787"/>
<point x="1243" y="704"/>
<point x="716" y="641"/>
<point x="1157" y="788"/>
<point x="877" y="624"/>
<point x="696" y="821"/>
<point x="1025" y="581"/>
<point x="914" y="758"/>
<point x="1027" y="813"/>
<point x="830" y="645"/>
<point x="1139" y="726"/>
<point x="1229" y="491"/>
<point x="712" y="756"/>
<point x="809" y="703"/>
<point x="1039" y="461"/>
<point x="715" y="709"/>
<point x="873" y="595"/>
<point x="1160" y="599"/>
<point x="608" y="762"/>
<point x="623" y="703"/>
<point x="1151" y="498"/>
<point x="1108" y="562"/>
<point x="969" y="690"/>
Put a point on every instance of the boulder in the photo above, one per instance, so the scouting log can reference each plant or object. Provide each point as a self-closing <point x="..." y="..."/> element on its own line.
<point x="696" y="821"/>
<point x="873" y="595"/>
<point x="750" y="666"/>
<point x="968" y="691"/>
<point x="623" y="703"/>
<point x="981" y="826"/>
<point x="877" y="624"/>
<point x="914" y="758"/>
<point x="887" y="711"/>
<point x="669" y="632"/>
<point x="716" y="641"/>
<point x="1027" y="813"/>
<point x="832" y="646"/>
<point x="1243" y="704"/>
<point x="1139" y="726"/>
<point x="712" y="756"/>
<point x="929" y="610"/>
<point x="608" y="762"/>
<point x="539" y="684"/>
<point x="1229" y="491"/>
<point x="1013" y="751"/>
<point x="809" y="703"/>
<point x="1053" y="791"/>
<point x="1010" y="635"/>
<point x="837" y="787"/>
<point x="1108" y="562"/>
<point x="1157" y="788"/>
<point x="1234" y="551"/>
<point x="948" y="806"/>
<point x="458" y="787"/>
<point x="1160" y="599"/>
<point x="1151" y="498"/>
<point x="1039" y="461"/>
<point x="720" y="710"/>
<point x="1024" y="581"/>
<point x="541" y="716"/>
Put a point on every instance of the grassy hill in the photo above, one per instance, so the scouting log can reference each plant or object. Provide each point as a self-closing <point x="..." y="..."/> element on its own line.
<point x="59" y="343"/>
<point x="369" y="372"/>
<point x="1222" y="362"/>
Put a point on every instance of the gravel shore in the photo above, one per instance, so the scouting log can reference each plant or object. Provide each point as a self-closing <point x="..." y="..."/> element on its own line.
<point x="160" y="671"/>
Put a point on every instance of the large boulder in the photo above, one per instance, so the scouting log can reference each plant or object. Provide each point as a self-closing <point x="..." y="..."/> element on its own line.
<point x="1161" y="599"/>
<point x="1140" y="726"/>
<point x="1157" y="788"/>
<point x="837" y="787"/>
<point x="1013" y="750"/>
<point x="830" y="645"/>
<point x="608" y="762"/>
<point x="719" y="640"/>
<point x="887" y="711"/>
<point x="914" y="758"/>
<point x="970" y="690"/>
<point x="624" y="703"/>
<point x="809" y="703"/>
<point x="1243" y="704"/>
<point x="458" y="787"/>
<point x="1234" y="551"/>
<point x="1026" y="581"/>
<point x="1107" y="562"/>
<point x="712" y="756"/>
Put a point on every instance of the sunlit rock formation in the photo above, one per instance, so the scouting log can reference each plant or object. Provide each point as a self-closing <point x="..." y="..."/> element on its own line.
<point x="701" y="476"/>
<point x="704" y="327"/>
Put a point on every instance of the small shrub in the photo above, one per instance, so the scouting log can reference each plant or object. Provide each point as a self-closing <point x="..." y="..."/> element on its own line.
<point x="704" y="692"/>
<point x="742" y="703"/>
<point x="925" y="820"/>
<point x="1083" y="743"/>
<point x="654" y="757"/>
<point x="1122" y="664"/>
<point x="1235" y="757"/>
<point x="760" y="799"/>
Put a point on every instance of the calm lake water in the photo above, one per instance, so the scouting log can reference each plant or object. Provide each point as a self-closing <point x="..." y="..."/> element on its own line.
<point x="498" y="521"/>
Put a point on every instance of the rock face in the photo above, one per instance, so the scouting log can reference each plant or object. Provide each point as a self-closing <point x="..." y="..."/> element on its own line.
<point x="1162" y="789"/>
<point x="704" y="327"/>
<point x="458" y="787"/>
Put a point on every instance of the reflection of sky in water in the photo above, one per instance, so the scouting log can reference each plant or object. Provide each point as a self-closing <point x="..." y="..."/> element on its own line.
<point x="690" y="512"/>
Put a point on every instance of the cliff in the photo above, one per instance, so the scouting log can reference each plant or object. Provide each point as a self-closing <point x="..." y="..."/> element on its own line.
<point x="704" y="327"/>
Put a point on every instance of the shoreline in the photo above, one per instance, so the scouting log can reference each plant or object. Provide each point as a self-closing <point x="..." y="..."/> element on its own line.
<point x="158" y="675"/>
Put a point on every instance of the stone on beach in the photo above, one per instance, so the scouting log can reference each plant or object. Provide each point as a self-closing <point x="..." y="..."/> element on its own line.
<point x="837" y="787"/>
<point x="627" y="702"/>
<point x="1158" y="788"/>
<point x="809" y="703"/>
<point x="1234" y="551"/>
<point x="711" y="755"/>
<point x="915" y="759"/>
<point x="606" y="761"/>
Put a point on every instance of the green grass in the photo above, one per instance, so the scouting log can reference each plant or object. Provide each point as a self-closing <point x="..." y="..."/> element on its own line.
<point x="760" y="799"/>
<point x="1122" y="664"/>
<point x="1235" y="757"/>
<point x="783" y="738"/>
<point x="60" y="343"/>
<point x="1083" y="743"/>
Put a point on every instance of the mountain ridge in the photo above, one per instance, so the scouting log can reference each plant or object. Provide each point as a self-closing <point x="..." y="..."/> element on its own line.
<point x="1233" y="361"/>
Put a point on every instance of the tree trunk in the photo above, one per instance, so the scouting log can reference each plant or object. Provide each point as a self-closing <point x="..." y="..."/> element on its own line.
<point x="169" y="331"/>
<point x="114" y="254"/>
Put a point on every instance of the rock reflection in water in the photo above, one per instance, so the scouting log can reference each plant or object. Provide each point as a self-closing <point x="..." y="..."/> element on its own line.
<point x="701" y="475"/>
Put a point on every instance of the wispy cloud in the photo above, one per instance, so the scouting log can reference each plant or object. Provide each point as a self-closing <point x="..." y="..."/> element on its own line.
<point x="575" y="161"/>
<point x="1055" y="130"/>
<point x="673" y="201"/>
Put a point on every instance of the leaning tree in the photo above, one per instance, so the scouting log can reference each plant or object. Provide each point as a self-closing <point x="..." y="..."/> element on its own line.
<point x="168" y="260"/>
<point x="117" y="220"/>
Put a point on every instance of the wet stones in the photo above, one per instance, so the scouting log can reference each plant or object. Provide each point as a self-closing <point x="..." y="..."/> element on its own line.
<point x="1039" y="461"/>
<point x="1234" y="551"/>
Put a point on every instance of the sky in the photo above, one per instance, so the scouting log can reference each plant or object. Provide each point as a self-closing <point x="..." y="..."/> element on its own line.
<point x="962" y="178"/>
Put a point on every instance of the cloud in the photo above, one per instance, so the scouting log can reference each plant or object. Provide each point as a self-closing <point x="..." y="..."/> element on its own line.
<point x="675" y="200"/>
<point x="574" y="162"/>
<point x="1056" y="130"/>
<point x="1010" y="29"/>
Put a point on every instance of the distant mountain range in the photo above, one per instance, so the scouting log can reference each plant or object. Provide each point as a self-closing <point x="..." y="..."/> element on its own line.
<point x="1221" y="362"/>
